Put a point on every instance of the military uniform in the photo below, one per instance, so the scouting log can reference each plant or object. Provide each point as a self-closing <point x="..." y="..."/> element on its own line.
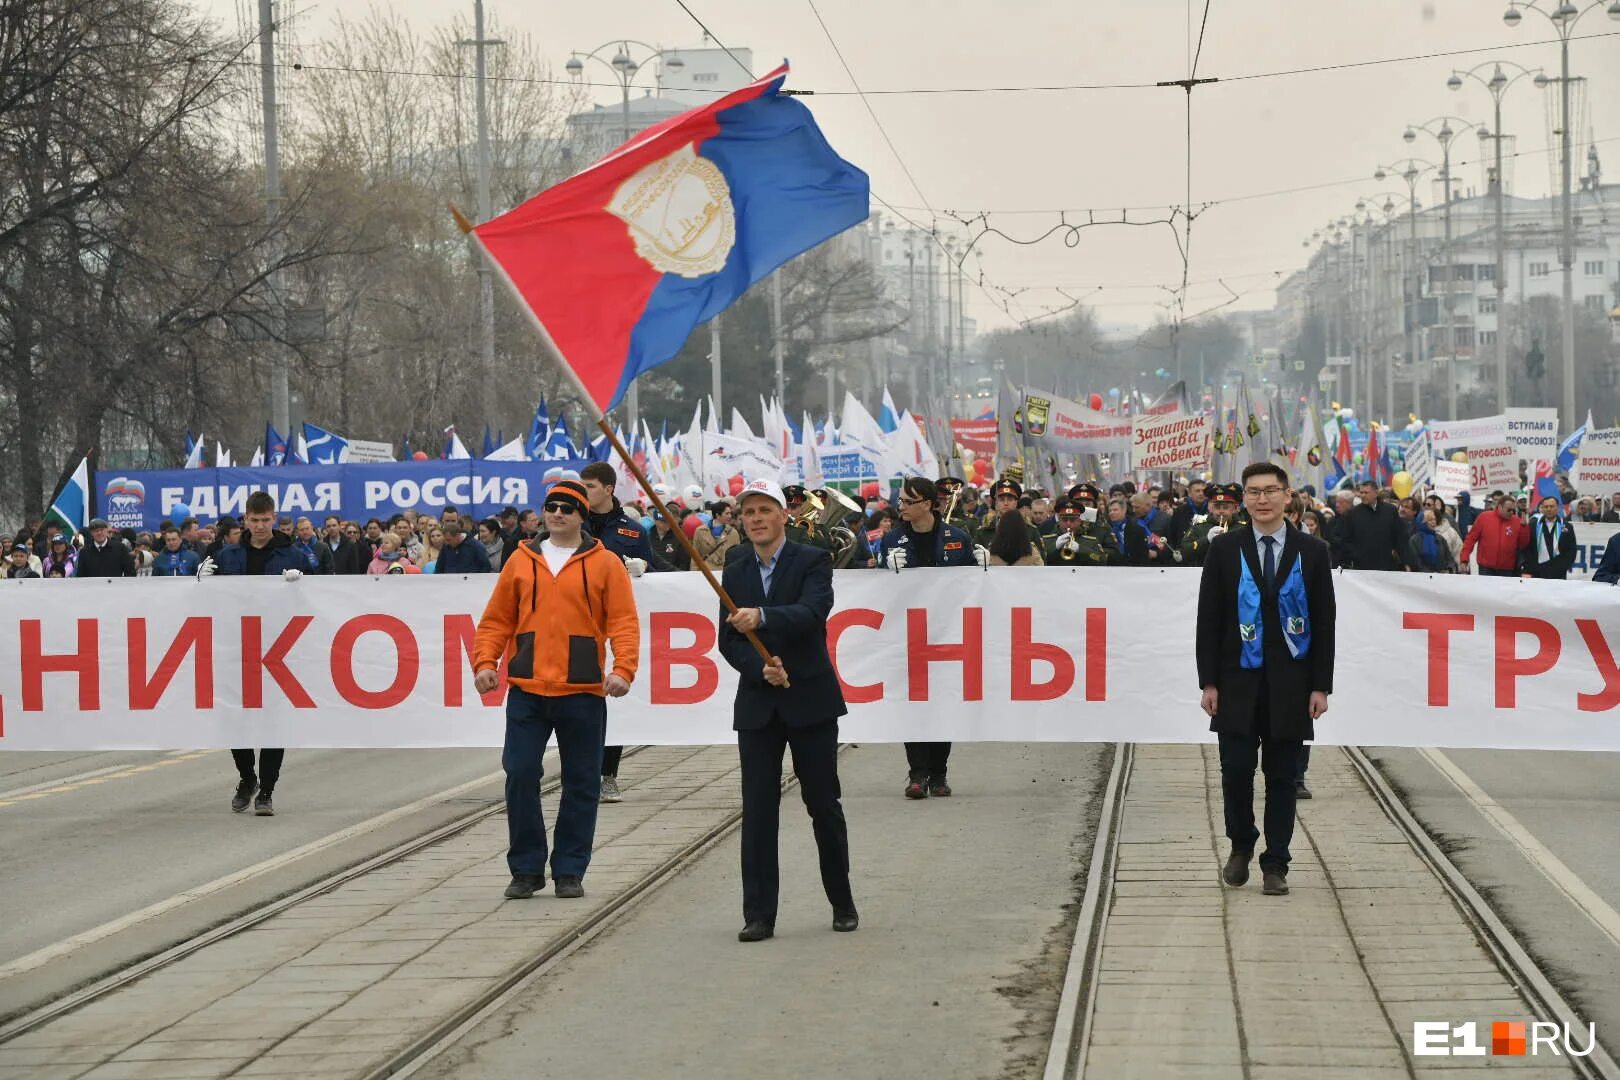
<point x="1094" y="541"/>
<point x="1195" y="542"/>
<point x="983" y="534"/>
<point x="802" y="527"/>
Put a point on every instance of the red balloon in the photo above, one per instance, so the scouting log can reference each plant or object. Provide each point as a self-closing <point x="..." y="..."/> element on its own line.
<point x="420" y="455"/>
<point x="869" y="490"/>
<point x="1096" y="402"/>
<point x="735" y="484"/>
<point x="690" y="525"/>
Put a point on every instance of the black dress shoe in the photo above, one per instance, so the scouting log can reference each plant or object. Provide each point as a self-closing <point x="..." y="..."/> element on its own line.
<point x="569" y="888"/>
<point x="1236" y="871"/>
<point x="758" y="930"/>
<point x="1301" y="791"/>
<point x="1273" y="883"/>
<point x="846" y="921"/>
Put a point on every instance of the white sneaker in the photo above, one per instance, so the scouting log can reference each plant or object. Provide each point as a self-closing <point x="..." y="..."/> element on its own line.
<point x="610" y="790"/>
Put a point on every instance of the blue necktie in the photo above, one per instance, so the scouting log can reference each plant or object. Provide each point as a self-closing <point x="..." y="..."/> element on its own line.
<point x="1269" y="566"/>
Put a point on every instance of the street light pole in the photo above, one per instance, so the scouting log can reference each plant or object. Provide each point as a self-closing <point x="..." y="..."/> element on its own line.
<point x="624" y="67"/>
<point x="1497" y="85"/>
<point x="279" y="405"/>
<point x="1444" y="137"/>
<point x="1564" y="17"/>
<point x="486" y="287"/>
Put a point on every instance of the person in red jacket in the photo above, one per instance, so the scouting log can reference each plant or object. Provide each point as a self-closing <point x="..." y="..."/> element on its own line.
<point x="1500" y="536"/>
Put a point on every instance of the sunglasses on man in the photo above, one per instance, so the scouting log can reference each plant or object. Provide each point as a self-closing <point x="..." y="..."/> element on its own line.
<point x="559" y="507"/>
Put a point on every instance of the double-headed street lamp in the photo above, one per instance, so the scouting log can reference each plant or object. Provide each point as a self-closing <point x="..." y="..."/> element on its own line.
<point x="1411" y="170"/>
<point x="1445" y="134"/>
<point x="625" y="67"/>
<point x="1498" y="85"/>
<point x="1563" y="15"/>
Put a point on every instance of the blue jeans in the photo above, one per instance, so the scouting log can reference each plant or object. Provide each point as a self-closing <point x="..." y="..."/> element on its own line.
<point x="1279" y="760"/>
<point x="580" y="721"/>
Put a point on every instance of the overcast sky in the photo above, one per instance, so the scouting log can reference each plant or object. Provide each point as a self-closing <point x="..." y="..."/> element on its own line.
<point x="1105" y="149"/>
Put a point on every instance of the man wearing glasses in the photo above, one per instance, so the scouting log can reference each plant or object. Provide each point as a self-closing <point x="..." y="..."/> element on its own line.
<point x="560" y="599"/>
<point x="923" y="539"/>
<point x="1264" y="647"/>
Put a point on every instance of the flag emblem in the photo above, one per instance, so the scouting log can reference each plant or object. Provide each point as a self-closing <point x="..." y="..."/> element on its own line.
<point x="679" y="212"/>
<point x="1246" y="631"/>
<point x="1296" y="625"/>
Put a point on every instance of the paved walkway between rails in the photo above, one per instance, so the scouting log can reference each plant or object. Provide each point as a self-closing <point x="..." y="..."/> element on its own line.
<point x="1199" y="980"/>
<point x="341" y="982"/>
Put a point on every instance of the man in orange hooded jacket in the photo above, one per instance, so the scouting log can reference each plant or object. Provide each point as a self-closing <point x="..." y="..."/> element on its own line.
<point x="559" y="600"/>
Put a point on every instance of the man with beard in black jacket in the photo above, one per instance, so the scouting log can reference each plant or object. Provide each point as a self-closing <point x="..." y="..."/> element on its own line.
<point x="1371" y="535"/>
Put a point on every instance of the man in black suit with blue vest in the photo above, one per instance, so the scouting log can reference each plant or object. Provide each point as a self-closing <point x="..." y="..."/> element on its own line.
<point x="1265" y="662"/>
<point x="784" y="593"/>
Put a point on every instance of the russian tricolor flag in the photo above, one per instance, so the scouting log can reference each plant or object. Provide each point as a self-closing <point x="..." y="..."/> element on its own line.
<point x="621" y="262"/>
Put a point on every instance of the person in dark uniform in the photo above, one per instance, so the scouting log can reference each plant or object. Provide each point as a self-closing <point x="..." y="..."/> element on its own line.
<point x="801" y="526"/>
<point x="1080" y="542"/>
<point x="923" y="539"/>
<point x="621" y="534"/>
<point x="1224" y="500"/>
<point x="784" y="593"/>
<point x="1264" y="646"/>
<point x="1005" y="494"/>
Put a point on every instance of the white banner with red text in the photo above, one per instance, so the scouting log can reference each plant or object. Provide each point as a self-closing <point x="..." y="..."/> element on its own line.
<point x="1009" y="654"/>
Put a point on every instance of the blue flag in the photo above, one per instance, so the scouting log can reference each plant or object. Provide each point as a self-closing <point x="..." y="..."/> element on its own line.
<point x="275" y="447"/>
<point x="559" y="447"/>
<point x="406" y="453"/>
<point x="325" y="447"/>
<point x="489" y="442"/>
<point x="71" y="507"/>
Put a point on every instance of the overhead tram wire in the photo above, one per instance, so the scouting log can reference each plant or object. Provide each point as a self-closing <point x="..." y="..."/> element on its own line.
<point x="921" y="90"/>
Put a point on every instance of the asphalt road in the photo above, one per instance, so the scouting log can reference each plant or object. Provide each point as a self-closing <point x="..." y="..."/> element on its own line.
<point x="87" y="839"/>
<point x="1569" y="804"/>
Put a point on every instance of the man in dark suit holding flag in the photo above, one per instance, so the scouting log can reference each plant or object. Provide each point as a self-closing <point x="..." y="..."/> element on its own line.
<point x="1265" y="662"/>
<point x="784" y="593"/>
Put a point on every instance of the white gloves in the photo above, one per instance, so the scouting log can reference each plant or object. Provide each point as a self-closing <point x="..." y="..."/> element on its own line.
<point x="291" y="575"/>
<point x="1069" y="545"/>
<point x="1214" y="531"/>
<point x="897" y="559"/>
<point x="636" y="566"/>
<point x="981" y="555"/>
<point x="207" y="568"/>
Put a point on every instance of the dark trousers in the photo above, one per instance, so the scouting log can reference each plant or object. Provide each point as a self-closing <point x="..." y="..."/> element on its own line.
<point x="1486" y="571"/>
<point x="579" y="721"/>
<point x="927" y="760"/>
<point x="1304" y="761"/>
<point x="815" y="762"/>
<point x="1279" y="760"/>
<point x="610" y="760"/>
<point x="269" y="770"/>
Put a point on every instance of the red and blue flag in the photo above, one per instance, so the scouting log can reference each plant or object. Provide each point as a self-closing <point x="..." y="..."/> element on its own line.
<point x="620" y="262"/>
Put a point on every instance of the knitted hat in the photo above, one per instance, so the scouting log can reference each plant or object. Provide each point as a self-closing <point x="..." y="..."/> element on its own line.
<point x="570" y="491"/>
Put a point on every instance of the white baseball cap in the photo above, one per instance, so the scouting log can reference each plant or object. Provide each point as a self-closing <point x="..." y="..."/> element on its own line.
<point x="768" y="488"/>
<point x="694" y="494"/>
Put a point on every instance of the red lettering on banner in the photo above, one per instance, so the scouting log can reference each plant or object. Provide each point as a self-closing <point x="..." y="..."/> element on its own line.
<point x="1026" y="651"/>
<point x="86" y="663"/>
<point x="460" y="632"/>
<point x="969" y="653"/>
<point x="666" y="657"/>
<point x="196" y="636"/>
<point x="837" y="623"/>
<point x="255" y="662"/>
<point x="407" y="661"/>
<point x="1603" y="657"/>
<point x="1510" y="667"/>
<point x="1439" y="626"/>
<point x="1096" y="654"/>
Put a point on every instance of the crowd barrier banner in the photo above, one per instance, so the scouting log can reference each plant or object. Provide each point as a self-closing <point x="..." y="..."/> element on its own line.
<point x="1037" y="654"/>
<point x="142" y="499"/>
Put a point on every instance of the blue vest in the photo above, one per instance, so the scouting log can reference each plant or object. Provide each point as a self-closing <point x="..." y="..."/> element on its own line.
<point x="1291" y="606"/>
